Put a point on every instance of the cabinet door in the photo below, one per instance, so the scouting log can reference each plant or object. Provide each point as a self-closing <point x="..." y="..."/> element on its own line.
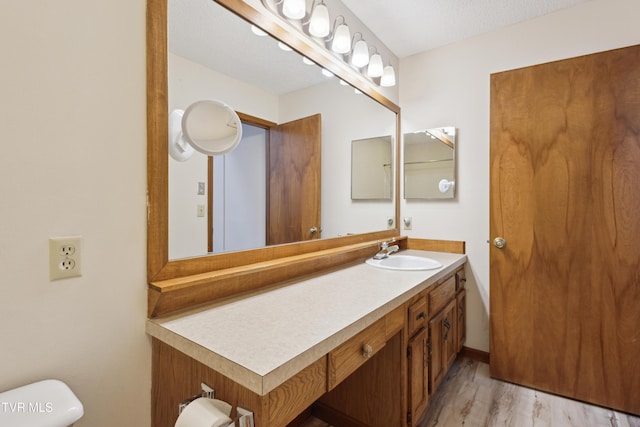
<point x="442" y="344"/>
<point x="436" y="365"/>
<point x="461" y="313"/>
<point x="418" y="374"/>
<point x="449" y="332"/>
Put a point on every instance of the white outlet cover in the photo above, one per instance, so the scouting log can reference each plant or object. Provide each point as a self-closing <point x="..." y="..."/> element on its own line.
<point x="64" y="257"/>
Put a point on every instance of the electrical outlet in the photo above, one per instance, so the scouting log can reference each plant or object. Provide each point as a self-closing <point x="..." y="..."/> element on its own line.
<point x="64" y="257"/>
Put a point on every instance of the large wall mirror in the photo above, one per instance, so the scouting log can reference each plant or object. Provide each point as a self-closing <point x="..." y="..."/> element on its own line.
<point x="430" y="163"/>
<point x="204" y="49"/>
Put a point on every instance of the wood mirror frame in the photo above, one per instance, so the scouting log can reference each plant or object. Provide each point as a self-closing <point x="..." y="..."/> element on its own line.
<point x="180" y="284"/>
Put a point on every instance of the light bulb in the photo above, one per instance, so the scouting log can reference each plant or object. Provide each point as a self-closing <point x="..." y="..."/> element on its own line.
<point x="284" y="47"/>
<point x="257" y="31"/>
<point x="341" y="39"/>
<point x="388" y="77"/>
<point x="319" y="24"/>
<point x="327" y="73"/>
<point x="360" y="56"/>
<point x="375" y="66"/>
<point x="294" y="9"/>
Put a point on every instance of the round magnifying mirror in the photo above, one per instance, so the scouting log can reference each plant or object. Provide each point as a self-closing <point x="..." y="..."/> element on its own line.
<point x="211" y="127"/>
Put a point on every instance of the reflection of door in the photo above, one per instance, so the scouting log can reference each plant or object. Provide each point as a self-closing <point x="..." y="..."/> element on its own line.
<point x="293" y="201"/>
<point x="238" y="196"/>
<point x="565" y="196"/>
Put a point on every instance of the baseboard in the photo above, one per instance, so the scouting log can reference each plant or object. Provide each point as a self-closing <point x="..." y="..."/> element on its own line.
<point x="472" y="353"/>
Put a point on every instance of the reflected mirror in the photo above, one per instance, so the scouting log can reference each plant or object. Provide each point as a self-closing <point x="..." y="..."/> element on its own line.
<point x="372" y="168"/>
<point x="429" y="163"/>
<point x="222" y="205"/>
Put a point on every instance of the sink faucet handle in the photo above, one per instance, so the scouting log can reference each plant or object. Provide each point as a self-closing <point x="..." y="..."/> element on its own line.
<point x="385" y="244"/>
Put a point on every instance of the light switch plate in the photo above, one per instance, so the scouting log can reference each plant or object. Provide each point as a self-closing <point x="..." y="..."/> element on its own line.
<point x="408" y="222"/>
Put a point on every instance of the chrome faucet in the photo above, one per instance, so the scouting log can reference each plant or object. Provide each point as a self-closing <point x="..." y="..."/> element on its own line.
<point x="386" y="250"/>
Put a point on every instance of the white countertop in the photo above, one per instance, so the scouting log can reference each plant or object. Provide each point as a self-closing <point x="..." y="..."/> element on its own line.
<point x="263" y="339"/>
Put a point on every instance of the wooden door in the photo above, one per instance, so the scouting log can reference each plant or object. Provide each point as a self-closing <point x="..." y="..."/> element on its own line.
<point x="565" y="196"/>
<point x="293" y="200"/>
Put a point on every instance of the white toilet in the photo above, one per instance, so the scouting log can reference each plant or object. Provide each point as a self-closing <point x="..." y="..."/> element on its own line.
<point x="48" y="403"/>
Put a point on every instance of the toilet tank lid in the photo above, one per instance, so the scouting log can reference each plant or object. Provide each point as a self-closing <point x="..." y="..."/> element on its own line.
<point x="47" y="403"/>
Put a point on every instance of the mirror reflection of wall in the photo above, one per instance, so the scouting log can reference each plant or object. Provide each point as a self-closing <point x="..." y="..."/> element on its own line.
<point x="429" y="163"/>
<point x="237" y="75"/>
<point x="371" y="168"/>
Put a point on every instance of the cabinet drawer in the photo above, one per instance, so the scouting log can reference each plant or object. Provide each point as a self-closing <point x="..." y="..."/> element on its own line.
<point x="461" y="279"/>
<point x="418" y="315"/>
<point x="344" y="360"/>
<point x="441" y="295"/>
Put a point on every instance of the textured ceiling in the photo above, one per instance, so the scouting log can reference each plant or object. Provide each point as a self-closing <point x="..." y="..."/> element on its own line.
<point x="408" y="27"/>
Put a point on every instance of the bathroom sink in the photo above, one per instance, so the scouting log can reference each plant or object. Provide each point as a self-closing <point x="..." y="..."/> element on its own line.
<point x="404" y="262"/>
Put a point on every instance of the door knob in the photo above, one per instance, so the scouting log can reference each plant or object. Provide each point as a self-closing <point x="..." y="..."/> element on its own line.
<point x="499" y="242"/>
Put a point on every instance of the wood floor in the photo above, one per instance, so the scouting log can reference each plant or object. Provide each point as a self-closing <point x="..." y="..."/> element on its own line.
<point x="469" y="397"/>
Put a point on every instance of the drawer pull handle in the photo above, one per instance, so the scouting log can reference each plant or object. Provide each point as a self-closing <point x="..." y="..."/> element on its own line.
<point x="422" y="315"/>
<point x="367" y="351"/>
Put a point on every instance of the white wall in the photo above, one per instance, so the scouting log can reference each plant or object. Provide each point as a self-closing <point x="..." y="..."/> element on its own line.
<point x="432" y="95"/>
<point x="72" y="108"/>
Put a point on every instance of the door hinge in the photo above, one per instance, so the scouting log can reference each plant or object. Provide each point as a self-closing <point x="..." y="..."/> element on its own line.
<point x="409" y="351"/>
<point x="408" y="418"/>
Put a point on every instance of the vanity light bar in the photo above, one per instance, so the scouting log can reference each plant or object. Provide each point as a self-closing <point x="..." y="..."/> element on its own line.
<point x="352" y="52"/>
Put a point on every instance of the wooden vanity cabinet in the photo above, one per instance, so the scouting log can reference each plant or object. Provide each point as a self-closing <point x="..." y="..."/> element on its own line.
<point x="461" y="309"/>
<point x="434" y="339"/>
<point x="382" y="376"/>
